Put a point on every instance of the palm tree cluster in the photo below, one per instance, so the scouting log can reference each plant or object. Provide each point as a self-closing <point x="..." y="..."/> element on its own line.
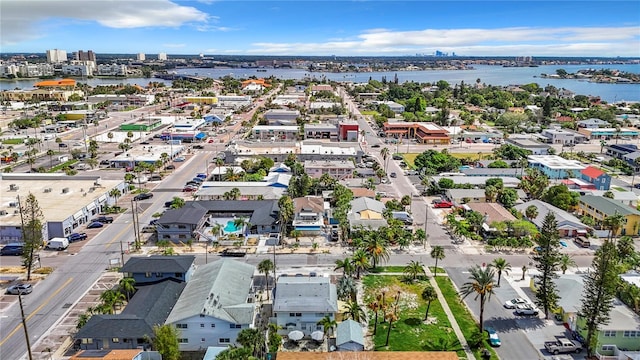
<point x="110" y="299"/>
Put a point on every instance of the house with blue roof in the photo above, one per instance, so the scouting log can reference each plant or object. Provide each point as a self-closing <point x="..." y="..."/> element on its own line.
<point x="349" y="336"/>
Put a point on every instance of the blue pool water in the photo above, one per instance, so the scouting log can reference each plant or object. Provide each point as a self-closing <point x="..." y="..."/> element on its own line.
<point x="231" y="227"/>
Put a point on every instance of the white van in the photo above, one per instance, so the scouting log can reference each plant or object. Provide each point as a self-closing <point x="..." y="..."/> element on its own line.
<point x="59" y="244"/>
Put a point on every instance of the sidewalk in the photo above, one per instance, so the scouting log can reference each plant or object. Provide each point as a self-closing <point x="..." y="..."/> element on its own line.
<point x="447" y="310"/>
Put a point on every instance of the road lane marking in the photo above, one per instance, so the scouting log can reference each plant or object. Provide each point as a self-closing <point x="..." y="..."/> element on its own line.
<point x="36" y="310"/>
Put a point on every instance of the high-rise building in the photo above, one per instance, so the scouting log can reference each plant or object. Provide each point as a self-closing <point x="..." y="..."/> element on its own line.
<point x="56" y="56"/>
<point x="162" y="56"/>
<point x="141" y="57"/>
<point x="84" y="56"/>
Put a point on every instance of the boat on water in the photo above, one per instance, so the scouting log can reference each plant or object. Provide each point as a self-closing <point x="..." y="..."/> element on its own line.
<point x="261" y="70"/>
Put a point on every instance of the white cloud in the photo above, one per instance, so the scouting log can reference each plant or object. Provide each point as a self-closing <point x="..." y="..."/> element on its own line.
<point x="22" y="19"/>
<point x="567" y="41"/>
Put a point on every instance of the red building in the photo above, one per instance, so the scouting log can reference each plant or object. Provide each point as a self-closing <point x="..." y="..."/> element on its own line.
<point x="348" y="130"/>
<point x="426" y="133"/>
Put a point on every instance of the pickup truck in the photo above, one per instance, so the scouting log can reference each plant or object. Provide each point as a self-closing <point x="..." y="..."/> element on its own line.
<point x="103" y="219"/>
<point x="562" y="345"/>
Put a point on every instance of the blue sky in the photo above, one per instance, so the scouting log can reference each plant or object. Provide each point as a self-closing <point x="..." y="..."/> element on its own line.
<point x="347" y="28"/>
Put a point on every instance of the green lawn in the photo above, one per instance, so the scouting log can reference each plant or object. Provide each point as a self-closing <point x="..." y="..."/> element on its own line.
<point x="388" y="269"/>
<point x="12" y="141"/>
<point x="409" y="333"/>
<point x="475" y="156"/>
<point x="410" y="159"/>
<point x="369" y="112"/>
<point x="463" y="317"/>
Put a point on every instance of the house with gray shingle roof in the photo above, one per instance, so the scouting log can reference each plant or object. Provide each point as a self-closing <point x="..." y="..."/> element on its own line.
<point x="149" y="306"/>
<point x="568" y="225"/>
<point x="367" y="213"/>
<point x="215" y="306"/>
<point x="261" y="214"/>
<point x="179" y="225"/>
<point x="300" y="302"/>
<point x="156" y="268"/>
<point x="349" y="336"/>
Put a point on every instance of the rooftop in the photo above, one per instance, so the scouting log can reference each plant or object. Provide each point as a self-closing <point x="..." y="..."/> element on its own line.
<point x="329" y="164"/>
<point x="369" y="355"/>
<point x="608" y="206"/>
<point x="155" y="263"/>
<point x="307" y="294"/>
<point x="555" y="162"/>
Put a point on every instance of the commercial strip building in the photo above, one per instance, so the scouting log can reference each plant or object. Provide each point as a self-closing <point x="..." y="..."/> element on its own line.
<point x="425" y="133"/>
<point x="279" y="151"/>
<point x="149" y="154"/>
<point x="146" y="125"/>
<point x="67" y="202"/>
<point x="608" y="133"/>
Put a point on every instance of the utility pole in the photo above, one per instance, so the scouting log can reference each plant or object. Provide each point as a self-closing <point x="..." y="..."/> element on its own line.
<point x="24" y="326"/>
<point x="426" y="221"/>
<point x="135" y="231"/>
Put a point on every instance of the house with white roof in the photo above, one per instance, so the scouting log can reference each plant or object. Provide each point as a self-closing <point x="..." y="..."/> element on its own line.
<point x="556" y="167"/>
<point x="300" y="302"/>
<point x="215" y="306"/>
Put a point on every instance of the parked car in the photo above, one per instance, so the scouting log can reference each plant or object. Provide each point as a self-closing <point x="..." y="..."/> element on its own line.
<point x="396" y="157"/>
<point x="57" y="244"/>
<point x="143" y="196"/>
<point x="148" y="229"/>
<point x="233" y="253"/>
<point x="15" y="249"/>
<point x="583" y="242"/>
<point x="95" y="225"/>
<point x="179" y="159"/>
<point x="144" y="143"/>
<point x="20" y="289"/>
<point x="494" y="340"/>
<point x="443" y="204"/>
<point x="511" y="304"/>
<point x="192" y="183"/>
<point x="155" y="178"/>
<point x="105" y="163"/>
<point x="211" y="140"/>
<point x="103" y="219"/>
<point x="171" y="167"/>
<point x="375" y="146"/>
<point x="189" y="188"/>
<point x="198" y="180"/>
<point x="526" y="310"/>
<point x="198" y="147"/>
<point x="168" y="203"/>
<point x="77" y="237"/>
<point x="563" y="345"/>
<point x="63" y="145"/>
<point x="393" y="175"/>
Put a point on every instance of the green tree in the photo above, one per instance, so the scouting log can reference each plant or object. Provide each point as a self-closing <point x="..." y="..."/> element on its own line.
<point x="599" y="292"/>
<point x="177" y="202"/>
<point x="565" y="262"/>
<point x="495" y="182"/>
<point x="490" y="193"/>
<point x="115" y="193"/>
<point x="531" y="212"/>
<point x="501" y="266"/>
<point x="376" y="247"/>
<point x="433" y="162"/>
<point x="560" y="197"/>
<point x="166" y="341"/>
<point x="498" y="164"/>
<point x="346" y="265"/>
<point x="360" y="261"/>
<point x="534" y="183"/>
<point x="328" y="324"/>
<point x="437" y="253"/>
<point x="127" y="287"/>
<point x="413" y="269"/>
<point x="32" y="225"/>
<point x="446" y="183"/>
<point x="428" y="294"/>
<point x="614" y="224"/>
<point x="286" y="212"/>
<point x="252" y="339"/>
<point x="547" y="261"/>
<point x="265" y="267"/>
<point x="508" y="197"/>
<point x="481" y="285"/>
<point x="355" y="311"/>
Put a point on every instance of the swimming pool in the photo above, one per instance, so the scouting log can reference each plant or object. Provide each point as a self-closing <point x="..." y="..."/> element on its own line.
<point x="231" y="227"/>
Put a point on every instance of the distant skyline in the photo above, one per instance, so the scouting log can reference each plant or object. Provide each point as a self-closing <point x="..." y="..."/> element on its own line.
<point x="323" y="28"/>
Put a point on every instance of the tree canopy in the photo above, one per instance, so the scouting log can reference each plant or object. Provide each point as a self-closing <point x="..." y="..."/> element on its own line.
<point x="434" y="162"/>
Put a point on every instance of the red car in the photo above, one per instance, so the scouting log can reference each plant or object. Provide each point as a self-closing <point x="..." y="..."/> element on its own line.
<point x="189" y="189"/>
<point x="210" y="141"/>
<point x="443" y="204"/>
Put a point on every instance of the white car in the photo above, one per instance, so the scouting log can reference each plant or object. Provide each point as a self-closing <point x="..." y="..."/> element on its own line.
<point x="526" y="310"/>
<point x="511" y="304"/>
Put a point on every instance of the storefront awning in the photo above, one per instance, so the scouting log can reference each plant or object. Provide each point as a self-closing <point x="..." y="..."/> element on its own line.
<point x="78" y="215"/>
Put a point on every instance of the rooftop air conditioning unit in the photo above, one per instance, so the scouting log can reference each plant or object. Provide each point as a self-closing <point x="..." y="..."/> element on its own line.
<point x="13" y="204"/>
<point x="65" y="190"/>
<point x="47" y="190"/>
<point x="16" y="211"/>
<point x="3" y="212"/>
<point x="13" y="187"/>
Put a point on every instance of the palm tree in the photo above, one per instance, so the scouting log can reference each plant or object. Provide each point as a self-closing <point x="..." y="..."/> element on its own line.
<point x="251" y="338"/>
<point x="391" y="316"/>
<point x="565" y="262"/>
<point x="82" y="320"/>
<point x="265" y="267"/>
<point x="296" y="234"/>
<point x="346" y="265"/>
<point x="531" y="212"/>
<point x="614" y="223"/>
<point x="428" y="294"/>
<point x="127" y="286"/>
<point x="384" y="152"/>
<point x="360" y="261"/>
<point x="115" y="193"/>
<point x="327" y="324"/>
<point x="354" y="311"/>
<point x="241" y="223"/>
<point x="501" y="266"/>
<point x="375" y="306"/>
<point x="110" y="136"/>
<point x="376" y="247"/>
<point x="437" y="252"/>
<point x="481" y="285"/>
<point x="413" y="269"/>
<point x="50" y="153"/>
<point x="490" y="193"/>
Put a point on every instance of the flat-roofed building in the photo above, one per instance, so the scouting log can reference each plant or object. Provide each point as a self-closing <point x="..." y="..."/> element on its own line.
<point x="535" y="147"/>
<point x="338" y="169"/>
<point x="145" y="125"/>
<point x="556" y="167"/>
<point x="275" y="133"/>
<point x="320" y="131"/>
<point x="279" y="151"/>
<point x="608" y="133"/>
<point x="426" y="133"/>
<point x="67" y="202"/>
<point x="234" y="101"/>
<point x="279" y="115"/>
<point x="149" y="154"/>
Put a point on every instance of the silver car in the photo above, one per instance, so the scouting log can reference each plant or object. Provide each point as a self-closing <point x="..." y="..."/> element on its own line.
<point x="526" y="310"/>
<point x="20" y="289"/>
<point x="511" y="304"/>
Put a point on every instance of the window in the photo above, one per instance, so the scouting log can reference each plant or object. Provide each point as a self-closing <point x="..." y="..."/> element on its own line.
<point x="178" y="275"/>
<point x="235" y="326"/>
<point x="183" y="341"/>
<point x="115" y="340"/>
<point x="292" y="314"/>
<point x="159" y="274"/>
<point x="182" y="236"/>
<point x="201" y="315"/>
<point x="298" y="314"/>
<point x="201" y="325"/>
<point x="202" y="340"/>
<point x="87" y="341"/>
<point x="319" y="315"/>
<point x="147" y="274"/>
<point x="224" y="340"/>
<point x="181" y="326"/>
<point x="181" y="227"/>
<point x="631" y="333"/>
<point x="609" y="333"/>
<point x="213" y="325"/>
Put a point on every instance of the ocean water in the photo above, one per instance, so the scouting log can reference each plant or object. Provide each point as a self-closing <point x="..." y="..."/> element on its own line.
<point x="490" y="75"/>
